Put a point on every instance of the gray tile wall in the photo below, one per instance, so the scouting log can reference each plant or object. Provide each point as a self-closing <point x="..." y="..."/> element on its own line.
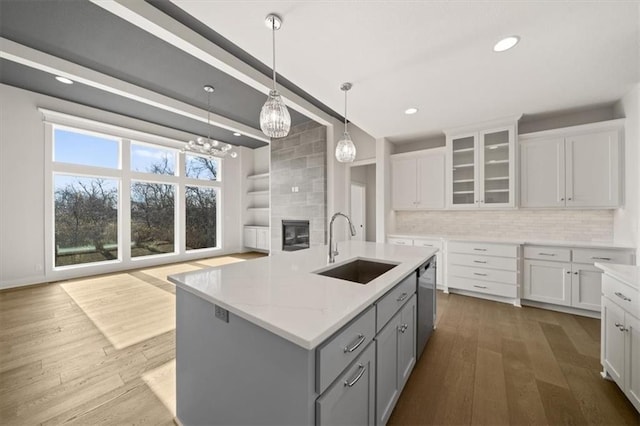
<point x="299" y="160"/>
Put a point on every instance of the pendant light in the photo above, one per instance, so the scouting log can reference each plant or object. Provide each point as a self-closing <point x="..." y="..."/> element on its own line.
<point x="275" y="120"/>
<point x="208" y="146"/>
<point x="345" y="150"/>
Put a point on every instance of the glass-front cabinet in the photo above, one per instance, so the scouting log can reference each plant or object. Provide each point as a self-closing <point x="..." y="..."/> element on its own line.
<point x="481" y="168"/>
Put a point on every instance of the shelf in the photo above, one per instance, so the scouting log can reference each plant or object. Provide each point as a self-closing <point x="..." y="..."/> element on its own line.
<point x="462" y="192"/>
<point x="496" y="146"/>
<point x="258" y="176"/>
<point x="497" y="178"/>
<point x="258" y="209"/>
<point x="495" y="190"/>
<point x="497" y="162"/>
<point x="266" y="192"/>
<point x="463" y="150"/>
<point x="463" y="181"/>
<point x="462" y="166"/>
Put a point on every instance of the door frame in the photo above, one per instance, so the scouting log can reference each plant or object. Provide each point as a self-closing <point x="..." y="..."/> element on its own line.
<point x="363" y="208"/>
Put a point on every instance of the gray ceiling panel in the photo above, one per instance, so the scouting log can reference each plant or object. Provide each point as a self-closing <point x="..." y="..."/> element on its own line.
<point x="24" y="77"/>
<point x="83" y="33"/>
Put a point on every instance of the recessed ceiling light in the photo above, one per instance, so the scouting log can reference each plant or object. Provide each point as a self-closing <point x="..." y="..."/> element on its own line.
<point x="64" y="80"/>
<point x="506" y="43"/>
<point x="410" y="111"/>
<point x="236" y="134"/>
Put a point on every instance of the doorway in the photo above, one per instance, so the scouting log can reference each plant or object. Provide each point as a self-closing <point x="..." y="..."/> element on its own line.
<point x="363" y="201"/>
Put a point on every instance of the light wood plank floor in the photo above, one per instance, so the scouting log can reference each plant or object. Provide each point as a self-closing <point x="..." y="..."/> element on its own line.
<point x="82" y="352"/>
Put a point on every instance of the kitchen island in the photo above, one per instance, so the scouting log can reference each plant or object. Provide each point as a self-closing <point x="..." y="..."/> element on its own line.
<point x="268" y="341"/>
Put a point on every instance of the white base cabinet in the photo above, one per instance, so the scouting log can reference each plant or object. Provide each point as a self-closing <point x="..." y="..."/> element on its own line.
<point x="256" y="237"/>
<point x="430" y="243"/>
<point x="620" y="339"/>
<point x="561" y="275"/>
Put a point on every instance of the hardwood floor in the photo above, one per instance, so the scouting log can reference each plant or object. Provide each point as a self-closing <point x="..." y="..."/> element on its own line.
<point x="99" y="351"/>
<point x="493" y="364"/>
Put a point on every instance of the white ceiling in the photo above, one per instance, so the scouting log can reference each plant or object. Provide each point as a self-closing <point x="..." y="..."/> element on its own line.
<point x="437" y="56"/>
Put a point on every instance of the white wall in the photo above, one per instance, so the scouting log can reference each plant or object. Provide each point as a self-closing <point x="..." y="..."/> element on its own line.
<point x="22" y="163"/>
<point x="626" y="219"/>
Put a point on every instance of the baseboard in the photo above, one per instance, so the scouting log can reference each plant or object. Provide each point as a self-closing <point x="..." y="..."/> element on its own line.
<point x="23" y="282"/>
<point x="507" y="300"/>
<point x="563" y="309"/>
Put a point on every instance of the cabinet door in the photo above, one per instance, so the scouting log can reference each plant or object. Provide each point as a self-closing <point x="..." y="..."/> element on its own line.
<point x="496" y="166"/>
<point x="407" y="342"/>
<point x="431" y="178"/>
<point x="632" y="368"/>
<point x="387" y="377"/>
<point x="542" y="173"/>
<point x="592" y="170"/>
<point x="613" y="341"/>
<point x="351" y="398"/>
<point x="404" y="180"/>
<point x="586" y="287"/>
<point x="262" y="239"/>
<point x="463" y="173"/>
<point x="250" y="237"/>
<point x="548" y="282"/>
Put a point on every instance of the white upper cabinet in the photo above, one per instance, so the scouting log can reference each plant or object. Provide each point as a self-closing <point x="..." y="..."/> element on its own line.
<point x="572" y="167"/>
<point x="417" y="180"/>
<point x="481" y="167"/>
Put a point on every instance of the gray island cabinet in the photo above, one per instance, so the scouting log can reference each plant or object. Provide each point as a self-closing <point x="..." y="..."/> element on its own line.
<point x="269" y="342"/>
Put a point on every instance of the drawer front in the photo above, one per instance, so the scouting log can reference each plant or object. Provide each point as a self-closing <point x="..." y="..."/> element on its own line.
<point x="505" y="277"/>
<point x="425" y="242"/>
<point x="504" y="263"/>
<point x="601" y="255"/>
<point x="557" y="254"/>
<point x="495" y="289"/>
<point x="623" y="295"/>
<point x="400" y="241"/>
<point x="485" y="249"/>
<point x="345" y="346"/>
<point x="391" y="302"/>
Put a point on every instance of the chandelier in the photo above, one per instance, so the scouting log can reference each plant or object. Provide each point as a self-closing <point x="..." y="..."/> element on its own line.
<point x="275" y="120"/>
<point x="208" y="146"/>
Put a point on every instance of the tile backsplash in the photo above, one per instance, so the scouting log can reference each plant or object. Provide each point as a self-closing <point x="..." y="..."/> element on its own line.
<point x="574" y="225"/>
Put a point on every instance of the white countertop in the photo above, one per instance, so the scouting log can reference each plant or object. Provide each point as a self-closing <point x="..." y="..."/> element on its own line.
<point x="628" y="274"/>
<point x="521" y="241"/>
<point x="281" y="294"/>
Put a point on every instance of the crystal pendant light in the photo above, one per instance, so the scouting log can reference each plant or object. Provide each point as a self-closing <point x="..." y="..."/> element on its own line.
<point x="275" y="120"/>
<point x="208" y="146"/>
<point x="345" y="150"/>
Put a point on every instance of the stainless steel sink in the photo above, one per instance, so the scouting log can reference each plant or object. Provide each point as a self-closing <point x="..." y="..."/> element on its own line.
<point x="358" y="271"/>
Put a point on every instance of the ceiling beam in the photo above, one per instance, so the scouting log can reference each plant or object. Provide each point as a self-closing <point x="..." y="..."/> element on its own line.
<point x="48" y="63"/>
<point x="157" y="23"/>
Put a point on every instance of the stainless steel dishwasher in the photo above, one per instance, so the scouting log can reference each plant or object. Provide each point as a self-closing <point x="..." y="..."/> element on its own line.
<point x="426" y="303"/>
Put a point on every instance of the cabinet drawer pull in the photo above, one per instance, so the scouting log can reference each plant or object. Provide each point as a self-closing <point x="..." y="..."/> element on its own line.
<point x="352" y="382"/>
<point x="601" y="258"/>
<point x="621" y="327"/>
<point x="355" y="346"/>
<point x="480" y="249"/>
<point x="480" y="286"/>
<point x="479" y="261"/>
<point x="479" y="274"/>
<point x="402" y="297"/>
<point x="622" y="296"/>
<point x="400" y="243"/>
<point x="546" y="254"/>
<point x="403" y="327"/>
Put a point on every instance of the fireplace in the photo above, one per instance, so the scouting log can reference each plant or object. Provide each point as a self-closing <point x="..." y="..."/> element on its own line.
<point x="295" y="235"/>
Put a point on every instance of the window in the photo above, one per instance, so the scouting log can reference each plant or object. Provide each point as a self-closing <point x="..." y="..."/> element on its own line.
<point x="86" y="149"/>
<point x="201" y="217"/>
<point x="151" y="159"/>
<point x="171" y="201"/>
<point x="86" y="219"/>
<point x="152" y="218"/>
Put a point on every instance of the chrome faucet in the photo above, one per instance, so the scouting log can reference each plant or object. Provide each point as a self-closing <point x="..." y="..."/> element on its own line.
<point x="333" y="252"/>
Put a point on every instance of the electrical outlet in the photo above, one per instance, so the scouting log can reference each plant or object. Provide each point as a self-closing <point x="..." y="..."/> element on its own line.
<point x="222" y="313"/>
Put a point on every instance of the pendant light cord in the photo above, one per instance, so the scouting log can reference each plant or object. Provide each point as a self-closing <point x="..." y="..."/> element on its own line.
<point x="208" y="117"/>
<point x="273" y="33"/>
<point x="345" y="111"/>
